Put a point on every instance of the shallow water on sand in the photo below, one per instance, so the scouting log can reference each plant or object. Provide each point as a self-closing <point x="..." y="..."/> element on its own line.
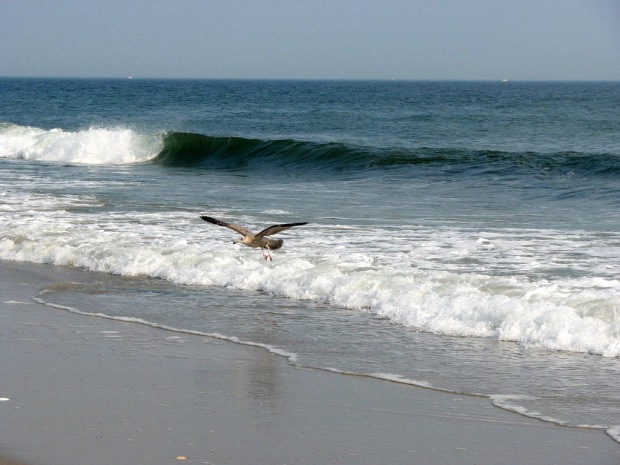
<point x="538" y="383"/>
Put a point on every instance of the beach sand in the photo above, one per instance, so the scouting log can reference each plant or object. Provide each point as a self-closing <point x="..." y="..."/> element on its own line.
<point x="91" y="391"/>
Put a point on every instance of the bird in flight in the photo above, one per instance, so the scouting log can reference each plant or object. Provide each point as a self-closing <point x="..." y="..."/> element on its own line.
<point x="256" y="240"/>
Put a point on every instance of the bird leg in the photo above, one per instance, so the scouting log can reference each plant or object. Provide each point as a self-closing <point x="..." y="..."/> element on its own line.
<point x="267" y="253"/>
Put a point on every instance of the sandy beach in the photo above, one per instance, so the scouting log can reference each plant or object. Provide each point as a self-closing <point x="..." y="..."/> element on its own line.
<point x="86" y="390"/>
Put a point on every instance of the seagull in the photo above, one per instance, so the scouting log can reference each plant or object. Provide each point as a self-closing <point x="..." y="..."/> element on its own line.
<point x="256" y="240"/>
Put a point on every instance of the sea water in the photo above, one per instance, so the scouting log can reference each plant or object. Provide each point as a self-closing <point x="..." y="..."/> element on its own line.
<point x="463" y="236"/>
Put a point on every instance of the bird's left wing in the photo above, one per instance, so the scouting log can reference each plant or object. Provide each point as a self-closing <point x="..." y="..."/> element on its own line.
<point x="276" y="228"/>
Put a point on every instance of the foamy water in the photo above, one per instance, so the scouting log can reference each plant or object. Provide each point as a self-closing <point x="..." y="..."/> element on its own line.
<point x="417" y="278"/>
<point x="94" y="146"/>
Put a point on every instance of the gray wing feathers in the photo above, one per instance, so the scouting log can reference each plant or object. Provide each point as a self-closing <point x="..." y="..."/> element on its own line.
<point x="270" y="231"/>
<point x="234" y="227"/>
<point x="276" y="228"/>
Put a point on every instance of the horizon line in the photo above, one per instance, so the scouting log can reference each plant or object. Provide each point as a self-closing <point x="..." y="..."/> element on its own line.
<point x="130" y="78"/>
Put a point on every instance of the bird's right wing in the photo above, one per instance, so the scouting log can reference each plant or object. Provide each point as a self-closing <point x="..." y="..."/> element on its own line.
<point x="276" y="228"/>
<point x="234" y="227"/>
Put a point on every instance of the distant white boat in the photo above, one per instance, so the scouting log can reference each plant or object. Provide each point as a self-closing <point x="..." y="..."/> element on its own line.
<point x="504" y="80"/>
<point x="129" y="77"/>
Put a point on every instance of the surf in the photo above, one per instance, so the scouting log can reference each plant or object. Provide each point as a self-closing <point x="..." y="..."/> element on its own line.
<point x="569" y="313"/>
<point x="92" y="146"/>
<point x="125" y="146"/>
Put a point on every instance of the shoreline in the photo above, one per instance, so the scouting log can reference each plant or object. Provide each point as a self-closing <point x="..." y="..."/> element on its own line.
<point x="99" y="391"/>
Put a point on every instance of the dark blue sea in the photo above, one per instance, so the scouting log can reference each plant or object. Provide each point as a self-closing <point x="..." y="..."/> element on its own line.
<point x="463" y="236"/>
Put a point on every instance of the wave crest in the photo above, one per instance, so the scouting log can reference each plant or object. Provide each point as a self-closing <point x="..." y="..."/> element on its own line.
<point x="112" y="146"/>
<point x="235" y="153"/>
<point x="198" y="150"/>
<point x="93" y="146"/>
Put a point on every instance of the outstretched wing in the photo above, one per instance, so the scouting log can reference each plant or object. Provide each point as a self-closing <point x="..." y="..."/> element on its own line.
<point x="234" y="227"/>
<point x="276" y="228"/>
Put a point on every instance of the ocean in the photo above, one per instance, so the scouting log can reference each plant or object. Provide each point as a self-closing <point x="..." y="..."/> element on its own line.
<point x="461" y="236"/>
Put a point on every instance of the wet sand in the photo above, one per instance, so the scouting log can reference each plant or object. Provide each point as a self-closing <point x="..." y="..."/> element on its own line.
<point x="86" y="390"/>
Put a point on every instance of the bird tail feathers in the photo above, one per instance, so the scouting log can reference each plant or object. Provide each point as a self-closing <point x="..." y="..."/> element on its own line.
<point x="275" y="244"/>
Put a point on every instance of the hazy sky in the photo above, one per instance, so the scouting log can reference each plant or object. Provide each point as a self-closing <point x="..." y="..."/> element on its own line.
<point x="312" y="39"/>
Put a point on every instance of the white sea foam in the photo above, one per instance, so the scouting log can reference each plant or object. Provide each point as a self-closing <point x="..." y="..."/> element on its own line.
<point x="96" y="146"/>
<point x="512" y="403"/>
<point x="614" y="433"/>
<point x="399" y="379"/>
<point x="391" y="274"/>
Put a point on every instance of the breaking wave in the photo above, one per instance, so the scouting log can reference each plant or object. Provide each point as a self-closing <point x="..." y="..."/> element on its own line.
<point x="94" y="146"/>
<point x="114" y="146"/>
